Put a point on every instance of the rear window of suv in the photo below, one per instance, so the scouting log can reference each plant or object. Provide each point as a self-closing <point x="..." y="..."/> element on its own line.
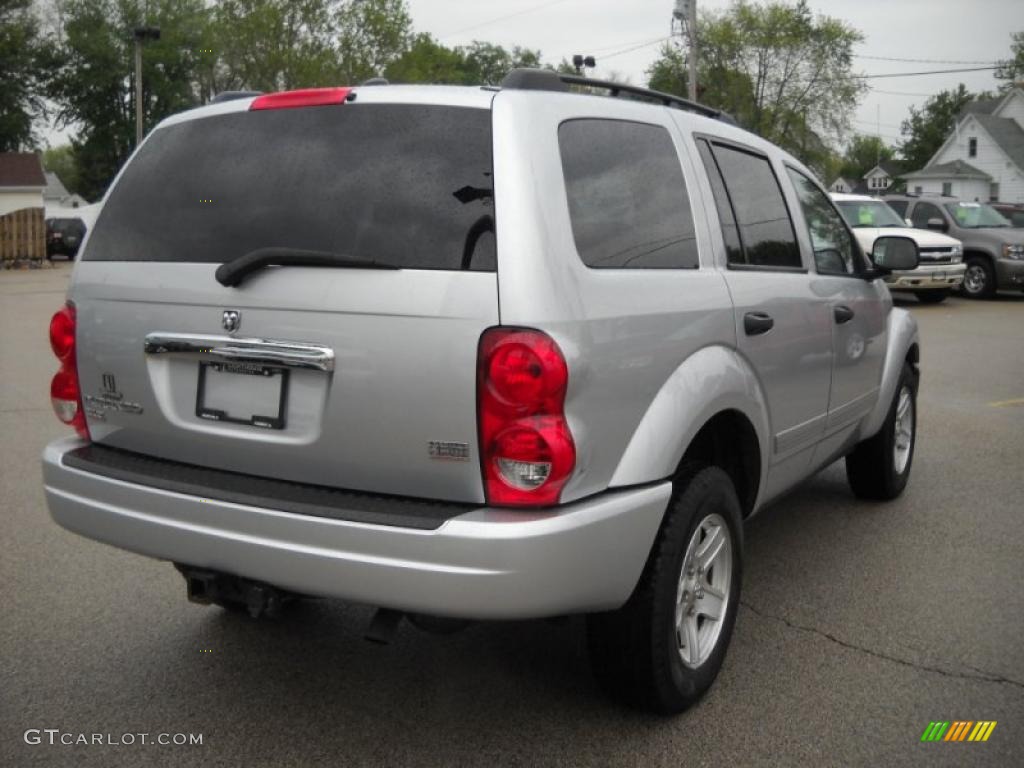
<point x="410" y="185"/>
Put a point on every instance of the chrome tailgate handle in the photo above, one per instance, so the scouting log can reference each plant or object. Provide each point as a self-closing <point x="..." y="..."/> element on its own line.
<point x="290" y="354"/>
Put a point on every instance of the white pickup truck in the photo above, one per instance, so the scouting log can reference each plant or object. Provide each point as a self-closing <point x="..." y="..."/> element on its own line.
<point x="941" y="268"/>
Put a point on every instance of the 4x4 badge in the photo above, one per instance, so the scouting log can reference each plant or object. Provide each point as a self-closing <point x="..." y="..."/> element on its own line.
<point x="231" y="320"/>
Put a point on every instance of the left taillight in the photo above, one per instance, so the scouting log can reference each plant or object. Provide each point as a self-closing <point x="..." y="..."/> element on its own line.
<point x="65" y="392"/>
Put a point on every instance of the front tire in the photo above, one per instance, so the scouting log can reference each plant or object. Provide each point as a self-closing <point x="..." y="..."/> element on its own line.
<point x="663" y="649"/>
<point x="879" y="467"/>
<point x="979" y="278"/>
<point x="932" y="297"/>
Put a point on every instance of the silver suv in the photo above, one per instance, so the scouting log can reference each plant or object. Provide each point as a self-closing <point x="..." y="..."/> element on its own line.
<point x="474" y="353"/>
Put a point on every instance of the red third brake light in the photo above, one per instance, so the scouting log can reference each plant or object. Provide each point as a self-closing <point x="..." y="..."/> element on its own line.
<point x="306" y="97"/>
<point x="526" y="450"/>
<point x="65" y="392"/>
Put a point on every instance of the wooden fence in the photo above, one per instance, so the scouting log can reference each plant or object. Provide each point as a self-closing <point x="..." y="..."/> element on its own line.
<point x="22" y="236"/>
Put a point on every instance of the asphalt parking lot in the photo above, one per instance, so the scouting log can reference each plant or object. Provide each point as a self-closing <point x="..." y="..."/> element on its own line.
<point x="859" y="623"/>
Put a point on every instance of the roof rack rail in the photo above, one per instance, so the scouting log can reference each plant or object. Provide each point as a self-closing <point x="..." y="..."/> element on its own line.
<point x="233" y="95"/>
<point x="548" y="80"/>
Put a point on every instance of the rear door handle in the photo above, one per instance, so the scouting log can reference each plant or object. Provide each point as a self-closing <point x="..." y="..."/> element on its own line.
<point x="756" y="323"/>
<point x="843" y="314"/>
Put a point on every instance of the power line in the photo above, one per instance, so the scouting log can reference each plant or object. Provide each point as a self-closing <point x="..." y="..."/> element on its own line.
<point x="921" y="61"/>
<point x="900" y="93"/>
<point x="634" y="48"/>
<point x="502" y="18"/>
<point x="620" y="45"/>
<point x="915" y="74"/>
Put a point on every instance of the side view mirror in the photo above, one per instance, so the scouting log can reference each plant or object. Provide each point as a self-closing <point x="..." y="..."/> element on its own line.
<point x="938" y="224"/>
<point x="909" y="222"/>
<point x="891" y="254"/>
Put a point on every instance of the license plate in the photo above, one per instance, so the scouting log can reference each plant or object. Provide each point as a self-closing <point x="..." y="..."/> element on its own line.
<point x="242" y="393"/>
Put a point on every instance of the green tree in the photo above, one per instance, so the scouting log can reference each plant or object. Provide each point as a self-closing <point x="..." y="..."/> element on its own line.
<point x="862" y="154"/>
<point x="928" y="128"/>
<point x="272" y="45"/>
<point x="93" y="81"/>
<point x="427" y="61"/>
<point x="21" y="49"/>
<point x="372" y="34"/>
<point x="489" y="63"/>
<point x="1012" y="70"/>
<point x="668" y="72"/>
<point x="61" y="160"/>
<point x="781" y="71"/>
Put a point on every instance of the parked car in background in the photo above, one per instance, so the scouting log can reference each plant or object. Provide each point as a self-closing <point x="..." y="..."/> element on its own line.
<point x="993" y="249"/>
<point x="941" y="268"/>
<point x="1012" y="212"/>
<point x="64" y="236"/>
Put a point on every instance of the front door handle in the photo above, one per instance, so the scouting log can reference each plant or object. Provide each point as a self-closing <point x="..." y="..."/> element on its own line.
<point x="756" y="323"/>
<point x="843" y="314"/>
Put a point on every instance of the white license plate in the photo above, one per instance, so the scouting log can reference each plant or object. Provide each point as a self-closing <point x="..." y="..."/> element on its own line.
<point x="242" y="393"/>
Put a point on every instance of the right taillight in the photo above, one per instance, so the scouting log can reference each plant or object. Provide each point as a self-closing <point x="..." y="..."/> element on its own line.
<point x="526" y="450"/>
<point x="65" y="392"/>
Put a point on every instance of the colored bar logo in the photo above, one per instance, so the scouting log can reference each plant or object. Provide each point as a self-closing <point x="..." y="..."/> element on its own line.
<point x="958" y="730"/>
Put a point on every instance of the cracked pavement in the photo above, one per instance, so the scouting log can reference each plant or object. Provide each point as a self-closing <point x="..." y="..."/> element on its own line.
<point x="859" y="623"/>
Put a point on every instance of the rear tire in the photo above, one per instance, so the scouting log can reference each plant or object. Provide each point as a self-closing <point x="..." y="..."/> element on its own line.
<point x="879" y="467"/>
<point x="662" y="650"/>
<point x="979" y="278"/>
<point x="932" y="297"/>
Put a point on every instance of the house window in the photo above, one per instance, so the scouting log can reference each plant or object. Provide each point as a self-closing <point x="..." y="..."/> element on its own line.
<point x="993" y="192"/>
<point x="918" y="190"/>
<point x="972" y="147"/>
<point x="947" y="188"/>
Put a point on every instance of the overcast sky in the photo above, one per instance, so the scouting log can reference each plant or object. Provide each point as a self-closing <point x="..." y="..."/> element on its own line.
<point x="953" y="30"/>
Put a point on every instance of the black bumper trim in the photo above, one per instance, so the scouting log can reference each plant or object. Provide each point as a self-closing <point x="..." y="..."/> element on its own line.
<point x="254" y="491"/>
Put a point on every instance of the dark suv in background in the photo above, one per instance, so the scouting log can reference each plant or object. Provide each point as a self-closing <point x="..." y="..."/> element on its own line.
<point x="993" y="249"/>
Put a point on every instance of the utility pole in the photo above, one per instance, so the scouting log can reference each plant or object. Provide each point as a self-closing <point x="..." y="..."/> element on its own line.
<point x="684" y="27"/>
<point x="141" y="35"/>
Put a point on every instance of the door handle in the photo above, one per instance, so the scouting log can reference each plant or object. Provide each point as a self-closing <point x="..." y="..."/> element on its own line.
<point x="756" y="323"/>
<point x="843" y="314"/>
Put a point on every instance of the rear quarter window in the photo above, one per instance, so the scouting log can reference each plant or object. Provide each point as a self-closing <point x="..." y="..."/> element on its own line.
<point x="627" y="197"/>
<point x="410" y="185"/>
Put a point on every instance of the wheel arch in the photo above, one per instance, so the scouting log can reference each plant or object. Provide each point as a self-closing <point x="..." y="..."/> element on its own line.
<point x="904" y="346"/>
<point x="711" y="400"/>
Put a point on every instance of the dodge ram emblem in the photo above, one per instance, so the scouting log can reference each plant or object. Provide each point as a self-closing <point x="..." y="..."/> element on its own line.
<point x="231" y="320"/>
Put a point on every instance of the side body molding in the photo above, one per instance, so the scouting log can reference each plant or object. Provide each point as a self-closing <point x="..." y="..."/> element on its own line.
<point x="902" y="336"/>
<point x="712" y="380"/>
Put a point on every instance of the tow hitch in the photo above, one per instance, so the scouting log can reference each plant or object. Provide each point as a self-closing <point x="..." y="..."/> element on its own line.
<point x="208" y="587"/>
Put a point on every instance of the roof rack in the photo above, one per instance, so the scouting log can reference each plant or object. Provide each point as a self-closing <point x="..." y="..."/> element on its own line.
<point x="233" y="95"/>
<point x="548" y="80"/>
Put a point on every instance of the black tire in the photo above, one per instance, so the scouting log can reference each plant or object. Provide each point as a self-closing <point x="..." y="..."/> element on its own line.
<point x="871" y="468"/>
<point x="932" y="297"/>
<point x="634" y="651"/>
<point x="979" y="279"/>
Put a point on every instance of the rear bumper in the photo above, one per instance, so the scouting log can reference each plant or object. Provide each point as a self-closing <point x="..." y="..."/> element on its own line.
<point x="927" y="278"/>
<point x="483" y="564"/>
<point x="1010" y="273"/>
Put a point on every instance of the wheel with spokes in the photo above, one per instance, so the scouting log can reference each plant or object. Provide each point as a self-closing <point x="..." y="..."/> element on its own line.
<point x="879" y="467"/>
<point x="662" y="650"/>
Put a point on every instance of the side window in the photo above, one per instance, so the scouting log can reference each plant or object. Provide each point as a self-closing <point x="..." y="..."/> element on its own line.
<point x="923" y="212"/>
<point x="834" y="251"/>
<point x="627" y="197"/>
<point x="900" y="206"/>
<point x="765" y="229"/>
<point x="730" y="232"/>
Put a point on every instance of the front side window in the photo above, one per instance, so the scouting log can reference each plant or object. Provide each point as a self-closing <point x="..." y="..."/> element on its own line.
<point x="834" y="251"/>
<point x="628" y="203"/>
<point x="922" y="213"/>
<point x="765" y="229"/>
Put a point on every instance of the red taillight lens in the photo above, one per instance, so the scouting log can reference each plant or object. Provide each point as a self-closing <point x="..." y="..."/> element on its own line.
<point x="526" y="449"/>
<point x="65" y="393"/>
<point x="306" y="97"/>
<point x="62" y="332"/>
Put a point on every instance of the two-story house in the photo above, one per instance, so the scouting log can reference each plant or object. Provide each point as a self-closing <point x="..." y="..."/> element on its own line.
<point x="875" y="182"/>
<point x="983" y="157"/>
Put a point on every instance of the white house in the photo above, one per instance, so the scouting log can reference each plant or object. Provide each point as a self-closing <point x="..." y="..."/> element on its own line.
<point x="842" y="184"/>
<point x="983" y="158"/>
<point x="56" y="196"/>
<point x="880" y="178"/>
<point x="21" y="181"/>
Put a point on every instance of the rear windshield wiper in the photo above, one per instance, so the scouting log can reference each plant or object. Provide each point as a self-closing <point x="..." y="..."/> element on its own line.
<point x="233" y="272"/>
